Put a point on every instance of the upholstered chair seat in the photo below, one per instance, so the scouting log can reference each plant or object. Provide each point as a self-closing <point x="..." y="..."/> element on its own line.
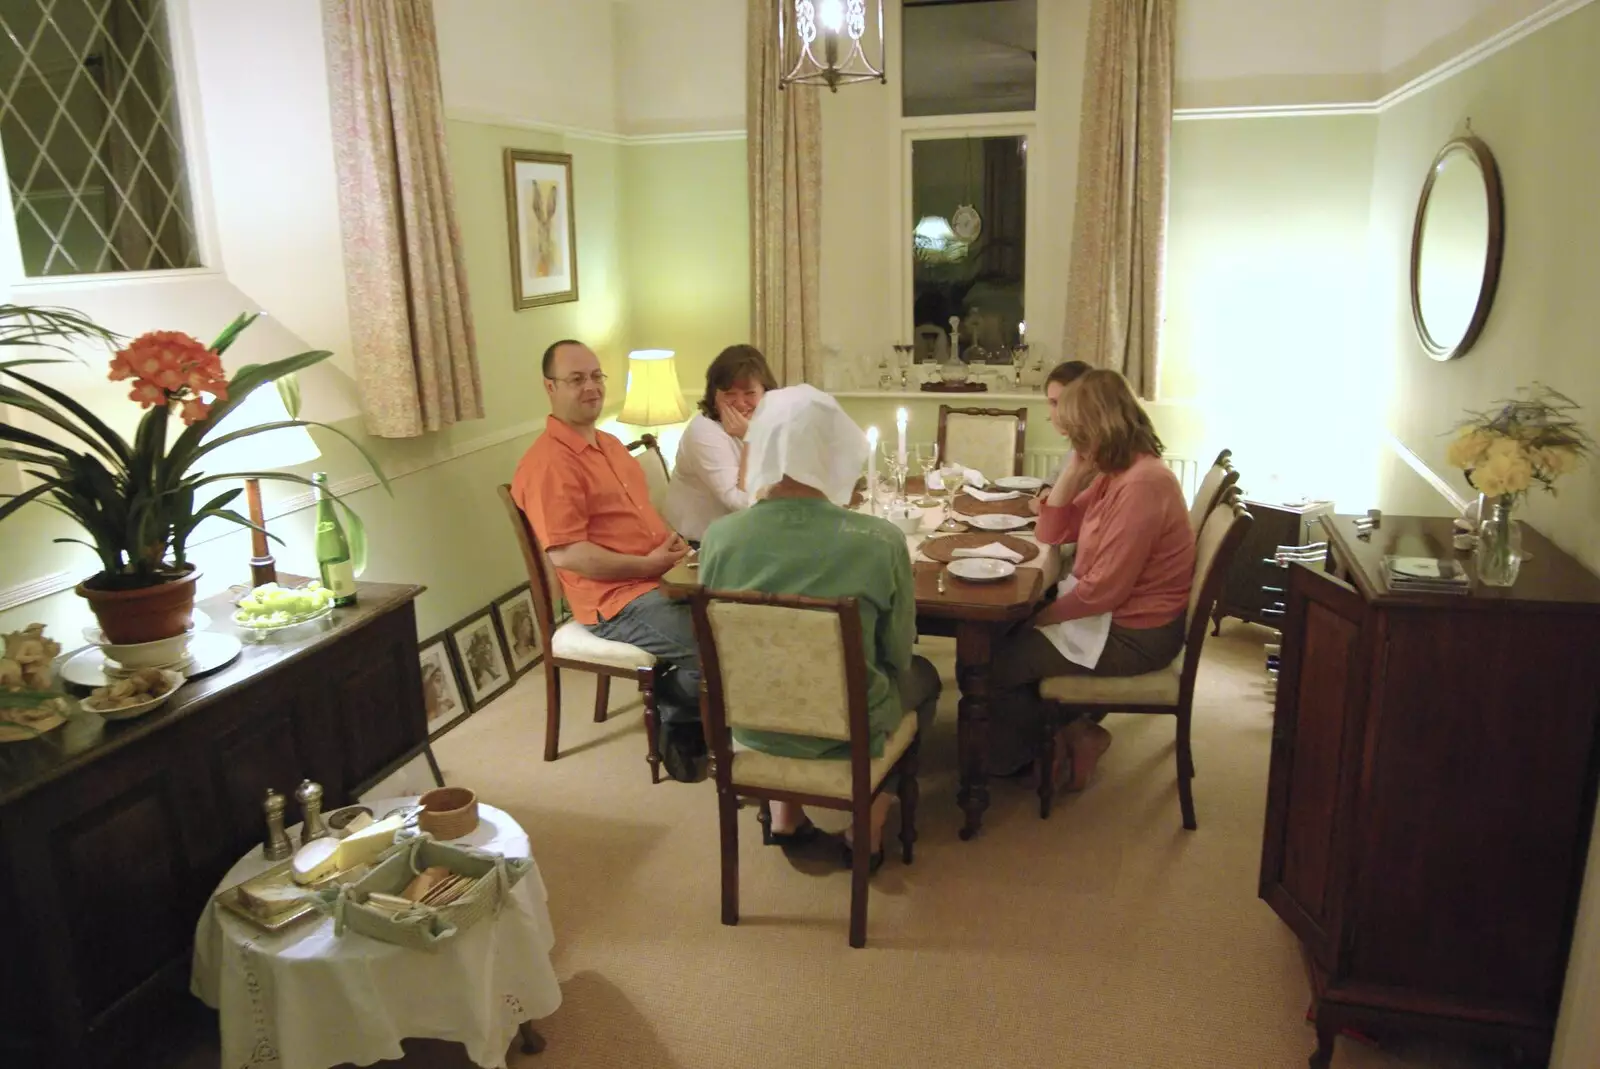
<point x="574" y="642"/>
<point x="752" y="768"/>
<point x="1160" y="687"/>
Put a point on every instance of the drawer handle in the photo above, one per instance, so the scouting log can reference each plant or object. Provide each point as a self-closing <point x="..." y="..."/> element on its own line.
<point x="1272" y="612"/>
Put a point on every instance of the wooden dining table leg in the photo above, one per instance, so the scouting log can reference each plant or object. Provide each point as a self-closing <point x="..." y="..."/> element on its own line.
<point x="974" y="642"/>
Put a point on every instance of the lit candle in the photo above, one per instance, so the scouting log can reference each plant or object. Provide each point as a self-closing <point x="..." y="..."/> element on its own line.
<point x="872" y="469"/>
<point x="1022" y="333"/>
<point x="900" y="425"/>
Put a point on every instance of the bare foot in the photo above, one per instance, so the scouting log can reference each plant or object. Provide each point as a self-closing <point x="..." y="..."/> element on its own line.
<point x="1085" y="742"/>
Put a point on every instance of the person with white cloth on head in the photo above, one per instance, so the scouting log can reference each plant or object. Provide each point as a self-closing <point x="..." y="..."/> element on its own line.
<point x="1122" y="610"/>
<point x="798" y="537"/>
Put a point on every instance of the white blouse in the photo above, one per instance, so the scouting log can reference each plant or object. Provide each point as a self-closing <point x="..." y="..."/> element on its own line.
<point x="705" y="478"/>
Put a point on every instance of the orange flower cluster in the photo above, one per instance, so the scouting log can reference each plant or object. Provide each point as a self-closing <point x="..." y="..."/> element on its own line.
<point x="169" y="367"/>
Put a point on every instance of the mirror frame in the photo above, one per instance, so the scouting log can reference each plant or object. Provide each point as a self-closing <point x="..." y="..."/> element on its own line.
<point x="1492" y="254"/>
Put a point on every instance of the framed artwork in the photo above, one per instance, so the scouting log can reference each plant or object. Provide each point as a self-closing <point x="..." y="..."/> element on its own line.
<point x="484" y="672"/>
<point x="520" y="628"/>
<point x="441" y="687"/>
<point x="544" y="230"/>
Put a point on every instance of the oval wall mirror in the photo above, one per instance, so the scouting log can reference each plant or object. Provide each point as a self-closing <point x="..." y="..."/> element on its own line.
<point x="1455" y="248"/>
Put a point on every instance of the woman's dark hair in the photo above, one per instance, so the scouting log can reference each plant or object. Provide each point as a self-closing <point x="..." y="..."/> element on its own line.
<point x="732" y="366"/>
<point x="1066" y="373"/>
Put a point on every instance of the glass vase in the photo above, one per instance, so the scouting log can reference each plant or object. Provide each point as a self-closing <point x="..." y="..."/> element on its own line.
<point x="1499" y="552"/>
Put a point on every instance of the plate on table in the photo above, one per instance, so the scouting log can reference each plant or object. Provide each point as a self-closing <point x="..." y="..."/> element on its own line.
<point x="1020" y="482"/>
<point x="996" y="521"/>
<point x="942" y="548"/>
<point x="981" y="569"/>
<point x="208" y="651"/>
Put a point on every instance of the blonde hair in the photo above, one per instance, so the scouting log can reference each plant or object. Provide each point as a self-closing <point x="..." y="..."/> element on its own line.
<point x="1106" y="423"/>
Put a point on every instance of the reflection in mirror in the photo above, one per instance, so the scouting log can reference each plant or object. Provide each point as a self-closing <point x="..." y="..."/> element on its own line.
<point x="1455" y="252"/>
<point x="968" y="243"/>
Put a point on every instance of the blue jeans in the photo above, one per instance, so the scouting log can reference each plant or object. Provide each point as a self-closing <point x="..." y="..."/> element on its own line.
<point x="665" y="628"/>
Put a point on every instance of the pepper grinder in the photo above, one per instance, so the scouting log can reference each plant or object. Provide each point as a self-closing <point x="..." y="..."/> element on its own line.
<point x="277" y="847"/>
<point x="309" y="795"/>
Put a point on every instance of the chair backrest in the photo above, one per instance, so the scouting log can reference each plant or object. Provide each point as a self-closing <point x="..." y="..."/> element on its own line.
<point x="1214" y="550"/>
<point x="655" y="468"/>
<point x="543" y="583"/>
<point x="1218" y="478"/>
<point x="784" y="663"/>
<point x="993" y="440"/>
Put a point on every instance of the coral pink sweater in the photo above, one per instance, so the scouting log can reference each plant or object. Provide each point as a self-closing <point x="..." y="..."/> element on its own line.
<point x="1135" y="555"/>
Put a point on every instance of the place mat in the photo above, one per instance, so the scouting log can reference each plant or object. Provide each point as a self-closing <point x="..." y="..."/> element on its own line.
<point x="939" y="547"/>
<point x="968" y="505"/>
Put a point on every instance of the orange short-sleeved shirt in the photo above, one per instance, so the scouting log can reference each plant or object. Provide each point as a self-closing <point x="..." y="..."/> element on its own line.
<point x="572" y="491"/>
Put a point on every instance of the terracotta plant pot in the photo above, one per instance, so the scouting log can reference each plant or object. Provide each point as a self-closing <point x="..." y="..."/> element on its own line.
<point x="144" y="614"/>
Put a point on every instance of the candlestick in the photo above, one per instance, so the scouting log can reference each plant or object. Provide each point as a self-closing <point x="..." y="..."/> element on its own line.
<point x="1022" y="333"/>
<point x="872" y="470"/>
<point x="900" y="425"/>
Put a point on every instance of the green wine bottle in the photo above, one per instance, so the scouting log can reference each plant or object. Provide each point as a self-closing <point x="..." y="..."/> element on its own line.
<point x="333" y="548"/>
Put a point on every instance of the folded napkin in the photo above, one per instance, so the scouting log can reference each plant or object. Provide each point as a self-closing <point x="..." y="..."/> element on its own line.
<point x="994" y="550"/>
<point x="991" y="495"/>
<point x="970" y="476"/>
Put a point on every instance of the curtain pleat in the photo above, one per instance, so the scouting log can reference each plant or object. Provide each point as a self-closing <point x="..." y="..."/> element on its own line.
<point x="415" y="352"/>
<point x="784" y="147"/>
<point x="1120" y="220"/>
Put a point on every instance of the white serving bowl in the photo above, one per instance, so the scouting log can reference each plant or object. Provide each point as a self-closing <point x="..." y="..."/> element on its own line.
<point x="157" y="654"/>
<point x="908" y="520"/>
<point x="173" y="681"/>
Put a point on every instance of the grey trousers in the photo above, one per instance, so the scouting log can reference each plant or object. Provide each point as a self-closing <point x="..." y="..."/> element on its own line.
<point x="919" y="690"/>
<point x="658" y="625"/>
<point x="1017" y="714"/>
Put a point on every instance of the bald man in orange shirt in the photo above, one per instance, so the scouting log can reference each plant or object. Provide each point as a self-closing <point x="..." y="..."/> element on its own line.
<point x="589" y="503"/>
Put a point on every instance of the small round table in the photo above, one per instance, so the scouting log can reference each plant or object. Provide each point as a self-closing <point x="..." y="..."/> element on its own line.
<point x="302" y="998"/>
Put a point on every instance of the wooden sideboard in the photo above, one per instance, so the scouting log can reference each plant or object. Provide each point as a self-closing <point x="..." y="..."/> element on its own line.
<point x="1432" y="788"/>
<point x="1254" y="589"/>
<point x="112" y="835"/>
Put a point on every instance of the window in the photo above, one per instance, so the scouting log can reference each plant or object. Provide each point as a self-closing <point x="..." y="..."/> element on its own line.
<point x="968" y="242"/>
<point x="89" y="123"/>
<point x="964" y="57"/>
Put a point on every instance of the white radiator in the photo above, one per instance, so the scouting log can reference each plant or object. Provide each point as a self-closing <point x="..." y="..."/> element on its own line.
<point x="1044" y="463"/>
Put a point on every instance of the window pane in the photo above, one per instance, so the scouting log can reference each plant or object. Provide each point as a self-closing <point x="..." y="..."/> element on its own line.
<point x="962" y="57"/>
<point x="968" y="246"/>
<point x="94" y="153"/>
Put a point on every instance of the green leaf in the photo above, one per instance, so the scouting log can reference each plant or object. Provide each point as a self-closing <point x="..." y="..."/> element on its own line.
<point x="28" y="403"/>
<point x="234" y="517"/>
<point x="289" y="393"/>
<point x="356" y="534"/>
<point x="16" y="501"/>
<point x="232" y="331"/>
<point x="281" y="424"/>
<point x="19" y="436"/>
<point x="245" y="380"/>
<point x="90" y="420"/>
<point x="49" y="327"/>
<point x="23" y="457"/>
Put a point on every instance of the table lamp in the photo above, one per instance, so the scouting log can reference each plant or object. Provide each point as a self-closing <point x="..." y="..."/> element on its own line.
<point x="653" y="398"/>
<point x="271" y="450"/>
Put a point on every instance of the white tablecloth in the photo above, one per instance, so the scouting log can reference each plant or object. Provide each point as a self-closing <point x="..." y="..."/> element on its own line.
<point x="303" y="999"/>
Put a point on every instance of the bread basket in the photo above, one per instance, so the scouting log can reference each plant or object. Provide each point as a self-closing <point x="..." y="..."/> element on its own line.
<point x="448" y="812"/>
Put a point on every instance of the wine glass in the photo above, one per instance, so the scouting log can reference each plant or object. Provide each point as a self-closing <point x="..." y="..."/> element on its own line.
<point x="890" y="452"/>
<point x="927" y="461"/>
<point x="949" y="485"/>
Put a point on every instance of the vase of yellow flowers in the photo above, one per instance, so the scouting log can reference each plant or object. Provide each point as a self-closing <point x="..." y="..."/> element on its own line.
<point x="1531" y="439"/>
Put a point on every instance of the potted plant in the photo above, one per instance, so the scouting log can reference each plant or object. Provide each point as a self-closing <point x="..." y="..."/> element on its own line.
<point x="139" y="502"/>
<point x="1523" y="441"/>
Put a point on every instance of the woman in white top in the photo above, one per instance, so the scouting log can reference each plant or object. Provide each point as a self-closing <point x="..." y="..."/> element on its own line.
<point x="708" y="477"/>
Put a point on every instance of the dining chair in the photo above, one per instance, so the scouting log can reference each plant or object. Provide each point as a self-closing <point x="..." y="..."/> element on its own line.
<point x="571" y="645"/>
<point x="655" y="469"/>
<point x="754" y="646"/>
<point x="992" y="440"/>
<point x="1218" y="478"/>
<point x="1168" y="690"/>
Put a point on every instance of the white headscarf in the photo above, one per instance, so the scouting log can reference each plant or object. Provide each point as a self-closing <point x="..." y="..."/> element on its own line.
<point x="801" y="432"/>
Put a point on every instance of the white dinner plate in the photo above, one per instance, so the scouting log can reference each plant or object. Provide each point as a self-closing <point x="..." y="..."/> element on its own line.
<point x="981" y="569"/>
<point x="1019" y="482"/>
<point x="996" y="522"/>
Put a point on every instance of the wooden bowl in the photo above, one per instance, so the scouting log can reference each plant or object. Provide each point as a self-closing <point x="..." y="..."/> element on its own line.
<point x="448" y="812"/>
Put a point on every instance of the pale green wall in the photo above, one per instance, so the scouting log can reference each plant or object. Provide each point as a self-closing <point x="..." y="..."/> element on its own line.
<point x="1537" y="105"/>
<point x="685" y="247"/>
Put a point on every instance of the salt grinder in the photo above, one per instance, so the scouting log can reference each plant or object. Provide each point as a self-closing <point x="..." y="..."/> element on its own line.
<point x="277" y="847"/>
<point x="309" y="795"/>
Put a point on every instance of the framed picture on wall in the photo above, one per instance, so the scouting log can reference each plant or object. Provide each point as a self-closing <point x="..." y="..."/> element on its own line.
<point x="484" y="672"/>
<point x="441" y="687"/>
<point x="520" y="628"/>
<point x="544" y="229"/>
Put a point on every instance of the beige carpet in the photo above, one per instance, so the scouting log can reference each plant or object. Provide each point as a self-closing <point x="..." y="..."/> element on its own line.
<point x="1105" y="937"/>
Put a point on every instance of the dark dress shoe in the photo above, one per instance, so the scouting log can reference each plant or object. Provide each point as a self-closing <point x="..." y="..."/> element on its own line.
<point x="680" y="751"/>
<point x="801" y="836"/>
<point x="848" y="855"/>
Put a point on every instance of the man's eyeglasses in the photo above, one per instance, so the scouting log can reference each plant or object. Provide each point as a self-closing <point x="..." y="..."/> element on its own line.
<point x="577" y="381"/>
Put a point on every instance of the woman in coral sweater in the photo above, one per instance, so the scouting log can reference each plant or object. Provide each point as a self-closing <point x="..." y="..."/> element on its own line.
<point x="1121" y="611"/>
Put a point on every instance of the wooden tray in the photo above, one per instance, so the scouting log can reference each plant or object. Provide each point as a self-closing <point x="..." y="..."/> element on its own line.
<point x="968" y="505"/>
<point x="939" y="547"/>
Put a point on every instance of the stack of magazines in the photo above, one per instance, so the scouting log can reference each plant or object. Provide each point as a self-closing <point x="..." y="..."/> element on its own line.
<point x="1425" y="575"/>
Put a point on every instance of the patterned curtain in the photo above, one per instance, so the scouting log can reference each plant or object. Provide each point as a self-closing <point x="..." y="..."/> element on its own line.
<point x="416" y="360"/>
<point x="785" y="161"/>
<point x="1119" y="227"/>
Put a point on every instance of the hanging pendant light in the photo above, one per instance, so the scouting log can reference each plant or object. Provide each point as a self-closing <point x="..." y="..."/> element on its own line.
<point x="823" y="39"/>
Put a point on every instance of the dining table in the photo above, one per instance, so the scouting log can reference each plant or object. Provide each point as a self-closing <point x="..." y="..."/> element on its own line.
<point x="976" y="614"/>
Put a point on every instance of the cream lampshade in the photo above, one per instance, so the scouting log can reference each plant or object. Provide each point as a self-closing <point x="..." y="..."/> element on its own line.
<point x="284" y="447"/>
<point x="653" y="397"/>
